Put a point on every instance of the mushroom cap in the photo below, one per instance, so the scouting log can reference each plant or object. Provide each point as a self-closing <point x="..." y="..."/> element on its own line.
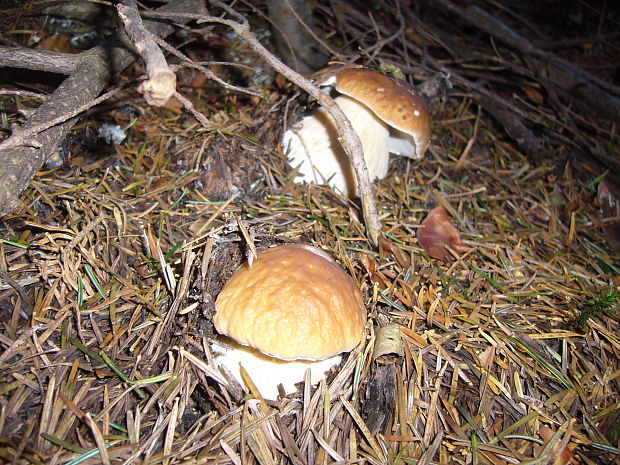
<point x="293" y="303"/>
<point x="396" y="103"/>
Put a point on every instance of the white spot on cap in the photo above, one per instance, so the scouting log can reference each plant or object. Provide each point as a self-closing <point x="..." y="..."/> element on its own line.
<point x="416" y="113"/>
<point x="380" y="89"/>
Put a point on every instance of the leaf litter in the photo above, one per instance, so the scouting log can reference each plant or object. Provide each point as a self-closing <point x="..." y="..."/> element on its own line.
<point x="108" y="274"/>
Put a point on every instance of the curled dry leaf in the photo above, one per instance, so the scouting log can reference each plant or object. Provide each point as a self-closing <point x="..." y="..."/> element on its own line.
<point x="437" y="234"/>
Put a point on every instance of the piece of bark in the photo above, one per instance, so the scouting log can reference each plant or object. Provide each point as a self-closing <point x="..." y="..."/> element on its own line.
<point x="38" y="60"/>
<point x="91" y="73"/>
<point x="378" y="408"/>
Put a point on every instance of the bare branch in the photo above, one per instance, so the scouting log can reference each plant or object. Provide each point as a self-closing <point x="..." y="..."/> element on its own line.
<point x="161" y="83"/>
<point x="24" y="136"/>
<point x="189" y="63"/>
<point x="189" y="106"/>
<point x="38" y="60"/>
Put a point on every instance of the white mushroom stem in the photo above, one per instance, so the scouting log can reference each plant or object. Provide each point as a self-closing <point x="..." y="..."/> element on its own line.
<point x="313" y="146"/>
<point x="267" y="372"/>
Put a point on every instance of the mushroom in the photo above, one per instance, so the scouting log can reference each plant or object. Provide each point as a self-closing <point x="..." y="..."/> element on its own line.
<point x="388" y="116"/>
<point x="294" y="309"/>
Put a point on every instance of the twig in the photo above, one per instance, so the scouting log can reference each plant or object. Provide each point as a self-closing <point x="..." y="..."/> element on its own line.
<point x="24" y="137"/>
<point x="161" y="84"/>
<point x="346" y="134"/>
<point x="515" y="128"/>
<point x="189" y="106"/>
<point x="470" y="142"/>
<point x="206" y="71"/>
<point x="89" y="74"/>
<point x="321" y="42"/>
<point x="23" y="93"/>
<point x="599" y="94"/>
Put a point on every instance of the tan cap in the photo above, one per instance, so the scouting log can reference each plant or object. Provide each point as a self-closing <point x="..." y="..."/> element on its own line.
<point x="396" y="103"/>
<point x="294" y="303"/>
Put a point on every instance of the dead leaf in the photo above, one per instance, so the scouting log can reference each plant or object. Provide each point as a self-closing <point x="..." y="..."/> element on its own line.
<point x="57" y="43"/>
<point x="388" y="246"/>
<point x="370" y="265"/>
<point x="534" y="95"/>
<point x="437" y="234"/>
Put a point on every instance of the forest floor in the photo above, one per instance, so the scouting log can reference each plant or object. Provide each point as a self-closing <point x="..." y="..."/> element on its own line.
<point x="110" y="268"/>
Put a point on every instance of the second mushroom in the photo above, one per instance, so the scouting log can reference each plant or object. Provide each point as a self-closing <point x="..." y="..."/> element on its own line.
<point x="388" y="116"/>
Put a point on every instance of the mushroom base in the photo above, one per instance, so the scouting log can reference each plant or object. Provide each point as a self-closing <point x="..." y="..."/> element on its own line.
<point x="267" y="372"/>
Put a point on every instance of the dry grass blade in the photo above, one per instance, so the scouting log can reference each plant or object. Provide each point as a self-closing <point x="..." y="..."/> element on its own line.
<point x="99" y="439"/>
<point x="211" y="372"/>
<point x="379" y="455"/>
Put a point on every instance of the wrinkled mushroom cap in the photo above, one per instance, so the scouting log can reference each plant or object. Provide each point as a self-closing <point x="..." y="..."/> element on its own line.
<point x="293" y="303"/>
<point x="396" y="103"/>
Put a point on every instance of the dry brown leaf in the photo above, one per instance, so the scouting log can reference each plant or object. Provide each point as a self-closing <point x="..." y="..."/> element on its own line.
<point x="437" y="234"/>
<point x="534" y="95"/>
<point x="57" y="43"/>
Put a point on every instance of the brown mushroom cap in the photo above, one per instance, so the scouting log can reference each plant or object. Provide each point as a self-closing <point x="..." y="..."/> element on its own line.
<point x="294" y="303"/>
<point x="397" y="104"/>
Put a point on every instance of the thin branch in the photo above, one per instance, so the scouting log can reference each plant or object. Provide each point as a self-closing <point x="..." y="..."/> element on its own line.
<point x="25" y="136"/>
<point x="189" y="63"/>
<point x="310" y="31"/>
<point x="38" y="60"/>
<point x="161" y="83"/>
<point x="189" y="106"/>
<point x="89" y="73"/>
<point x="23" y="93"/>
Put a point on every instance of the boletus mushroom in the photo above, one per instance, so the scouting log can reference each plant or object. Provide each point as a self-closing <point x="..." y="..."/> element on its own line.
<point x="389" y="116"/>
<point x="293" y="309"/>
